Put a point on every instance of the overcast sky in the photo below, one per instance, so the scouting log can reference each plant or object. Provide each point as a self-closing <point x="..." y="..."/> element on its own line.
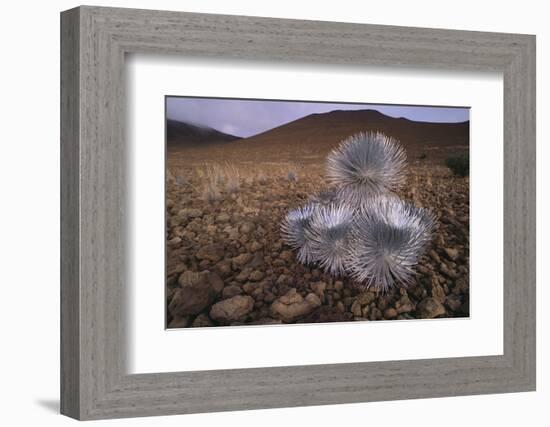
<point x="249" y="117"/>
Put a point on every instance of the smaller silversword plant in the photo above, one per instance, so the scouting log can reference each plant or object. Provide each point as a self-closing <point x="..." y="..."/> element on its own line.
<point x="262" y="179"/>
<point x="328" y="234"/>
<point x="386" y="241"/>
<point x="294" y="229"/>
<point x="292" y="176"/>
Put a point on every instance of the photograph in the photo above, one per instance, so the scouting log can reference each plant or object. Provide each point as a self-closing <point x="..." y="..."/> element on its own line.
<point x="296" y="211"/>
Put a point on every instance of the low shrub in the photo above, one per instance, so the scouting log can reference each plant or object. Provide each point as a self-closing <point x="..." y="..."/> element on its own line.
<point x="459" y="165"/>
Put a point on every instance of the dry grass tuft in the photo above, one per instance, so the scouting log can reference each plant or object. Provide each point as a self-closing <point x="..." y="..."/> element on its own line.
<point x="232" y="179"/>
<point x="210" y="177"/>
<point x="211" y="192"/>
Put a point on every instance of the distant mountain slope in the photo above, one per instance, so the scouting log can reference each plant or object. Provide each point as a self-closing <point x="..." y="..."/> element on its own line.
<point x="181" y="134"/>
<point x="309" y="138"/>
<point x="327" y="129"/>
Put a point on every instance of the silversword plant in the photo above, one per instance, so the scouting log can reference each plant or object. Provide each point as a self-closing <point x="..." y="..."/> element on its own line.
<point x="358" y="226"/>
<point x="366" y="165"/>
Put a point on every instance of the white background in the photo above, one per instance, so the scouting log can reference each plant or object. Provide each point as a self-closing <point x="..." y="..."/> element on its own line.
<point x="152" y="348"/>
<point x="29" y="229"/>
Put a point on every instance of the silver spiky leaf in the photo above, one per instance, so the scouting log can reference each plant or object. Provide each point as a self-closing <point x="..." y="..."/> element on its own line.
<point x="328" y="234"/>
<point x="293" y="229"/>
<point x="365" y="165"/>
<point x="386" y="241"/>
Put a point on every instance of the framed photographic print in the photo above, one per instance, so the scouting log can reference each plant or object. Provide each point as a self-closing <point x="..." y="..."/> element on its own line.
<point x="288" y="212"/>
<point x="324" y="212"/>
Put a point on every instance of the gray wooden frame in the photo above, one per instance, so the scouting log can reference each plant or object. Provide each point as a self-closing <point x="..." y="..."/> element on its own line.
<point x="94" y="41"/>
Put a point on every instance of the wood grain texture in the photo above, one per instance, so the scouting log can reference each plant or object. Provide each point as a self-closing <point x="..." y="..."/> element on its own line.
<point x="70" y="220"/>
<point x="94" y="235"/>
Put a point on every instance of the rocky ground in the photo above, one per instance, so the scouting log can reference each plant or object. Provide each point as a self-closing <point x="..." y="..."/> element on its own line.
<point x="227" y="263"/>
